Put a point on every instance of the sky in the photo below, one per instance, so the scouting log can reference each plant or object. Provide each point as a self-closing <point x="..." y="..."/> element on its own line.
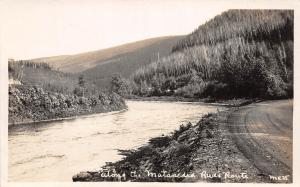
<point x="38" y="28"/>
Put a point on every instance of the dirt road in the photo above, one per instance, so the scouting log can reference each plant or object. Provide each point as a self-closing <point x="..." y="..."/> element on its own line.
<point x="263" y="132"/>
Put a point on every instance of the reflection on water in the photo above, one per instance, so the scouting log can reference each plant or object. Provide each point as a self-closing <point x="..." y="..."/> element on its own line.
<point x="55" y="151"/>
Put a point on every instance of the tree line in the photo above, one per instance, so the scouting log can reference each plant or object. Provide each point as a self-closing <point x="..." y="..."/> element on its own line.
<point x="257" y="25"/>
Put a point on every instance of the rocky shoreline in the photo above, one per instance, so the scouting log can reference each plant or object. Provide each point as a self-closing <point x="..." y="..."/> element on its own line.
<point x="29" y="104"/>
<point x="193" y="153"/>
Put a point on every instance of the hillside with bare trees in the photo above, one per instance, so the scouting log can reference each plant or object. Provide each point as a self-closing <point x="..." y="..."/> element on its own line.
<point x="240" y="53"/>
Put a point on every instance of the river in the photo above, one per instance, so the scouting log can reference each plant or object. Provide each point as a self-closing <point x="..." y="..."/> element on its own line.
<point x="55" y="151"/>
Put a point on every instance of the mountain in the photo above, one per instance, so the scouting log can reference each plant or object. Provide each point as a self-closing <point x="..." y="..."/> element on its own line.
<point x="239" y="53"/>
<point x="128" y="58"/>
<point x="252" y="25"/>
<point x="83" y="61"/>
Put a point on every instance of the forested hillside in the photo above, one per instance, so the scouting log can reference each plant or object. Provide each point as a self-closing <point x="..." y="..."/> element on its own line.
<point x="42" y="75"/>
<point x="240" y="53"/>
<point x="37" y="92"/>
<point x="252" y="25"/>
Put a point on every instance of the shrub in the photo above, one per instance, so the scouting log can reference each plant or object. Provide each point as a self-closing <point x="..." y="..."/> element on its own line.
<point x="78" y="91"/>
<point x="181" y="129"/>
<point x="160" y="141"/>
<point x="121" y="86"/>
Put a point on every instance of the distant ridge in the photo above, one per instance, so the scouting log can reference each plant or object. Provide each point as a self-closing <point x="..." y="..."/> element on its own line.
<point x="83" y="61"/>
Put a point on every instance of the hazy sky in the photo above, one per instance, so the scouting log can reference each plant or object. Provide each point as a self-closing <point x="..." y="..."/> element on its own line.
<point x="36" y="28"/>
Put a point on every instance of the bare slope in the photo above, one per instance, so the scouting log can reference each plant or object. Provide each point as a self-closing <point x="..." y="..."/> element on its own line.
<point x="126" y="63"/>
<point x="83" y="61"/>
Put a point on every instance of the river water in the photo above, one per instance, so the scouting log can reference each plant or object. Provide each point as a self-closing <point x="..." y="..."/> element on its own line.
<point x="55" y="151"/>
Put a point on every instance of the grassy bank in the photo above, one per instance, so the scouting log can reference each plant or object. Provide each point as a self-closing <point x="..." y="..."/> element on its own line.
<point x="200" y="152"/>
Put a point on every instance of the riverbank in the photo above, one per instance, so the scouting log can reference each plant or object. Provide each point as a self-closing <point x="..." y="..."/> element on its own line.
<point x="33" y="104"/>
<point x="66" y="118"/>
<point x="201" y="152"/>
<point x="228" y="102"/>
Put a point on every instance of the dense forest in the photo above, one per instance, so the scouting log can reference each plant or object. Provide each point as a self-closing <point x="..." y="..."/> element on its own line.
<point x="240" y="53"/>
